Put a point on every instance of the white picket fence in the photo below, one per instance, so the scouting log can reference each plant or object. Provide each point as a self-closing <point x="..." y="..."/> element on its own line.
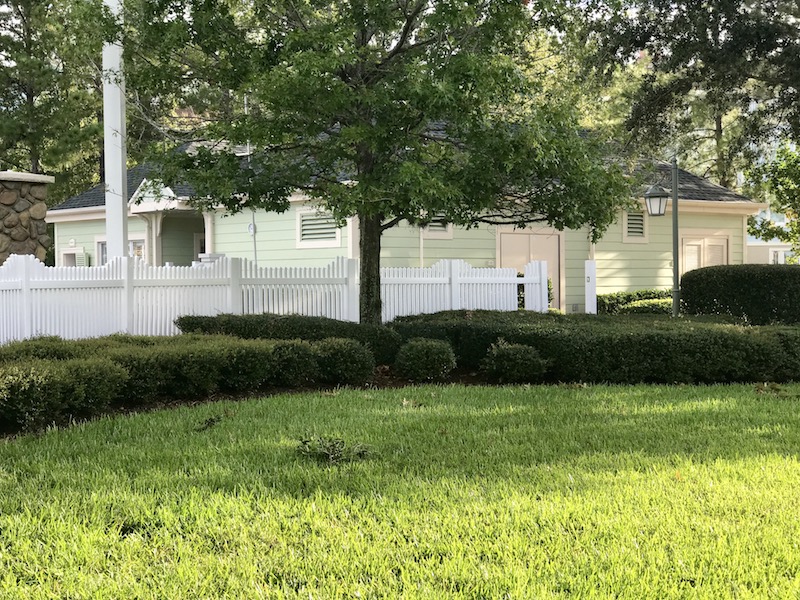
<point x="127" y="295"/>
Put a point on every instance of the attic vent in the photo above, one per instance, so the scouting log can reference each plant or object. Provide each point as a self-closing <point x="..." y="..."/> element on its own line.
<point x="635" y="224"/>
<point x="317" y="230"/>
<point x="316" y="227"/>
<point x="438" y="228"/>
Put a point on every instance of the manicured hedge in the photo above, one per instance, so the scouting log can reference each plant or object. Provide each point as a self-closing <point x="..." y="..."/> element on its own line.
<point x="41" y="381"/>
<point x="759" y="294"/>
<point x="343" y="361"/>
<point x="423" y="359"/>
<point x="382" y="341"/>
<point x="655" y="306"/>
<point x="37" y="393"/>
<point x="610" y="304"/>
<point x="620" y="349"/>
<point x="513" y="363"/>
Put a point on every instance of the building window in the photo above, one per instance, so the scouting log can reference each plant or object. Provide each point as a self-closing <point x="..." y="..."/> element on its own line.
<point x="704" y="252"/>
<point x="634" y="227"/>
<point x="317" y="230"/>
<point x="135" y="249"/>
<point x="74" y="257"/>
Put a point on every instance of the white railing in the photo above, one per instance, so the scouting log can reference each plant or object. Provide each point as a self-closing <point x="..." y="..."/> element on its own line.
<point x="127" y="295"/>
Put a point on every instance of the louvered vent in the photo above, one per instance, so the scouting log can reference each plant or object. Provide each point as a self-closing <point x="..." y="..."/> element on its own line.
<point x="317" y="227"/>
<point x="635" y="224"/>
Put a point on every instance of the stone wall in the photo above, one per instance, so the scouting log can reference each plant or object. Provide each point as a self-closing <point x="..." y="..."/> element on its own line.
<point x="22" y="214"/>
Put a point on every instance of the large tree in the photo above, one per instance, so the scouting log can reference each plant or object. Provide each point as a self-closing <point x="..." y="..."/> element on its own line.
<point x="49" y="90"/>
<point x="722" y="74"/>
<point x="389" y="111"/>
<point x="779" y="181"/>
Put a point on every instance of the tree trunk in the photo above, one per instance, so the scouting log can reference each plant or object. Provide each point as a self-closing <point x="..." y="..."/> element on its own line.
<point x="722" y="163"/>
<point x="370" y="249"/>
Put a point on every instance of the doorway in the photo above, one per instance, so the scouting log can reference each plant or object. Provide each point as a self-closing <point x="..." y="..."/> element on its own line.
<point x="516" y="248"/>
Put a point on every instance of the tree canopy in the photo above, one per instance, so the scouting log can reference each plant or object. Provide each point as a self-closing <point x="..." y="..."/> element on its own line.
<point x="386" y="111"/>
<point x="722" y="75"/>
<point x="49" y="90"/>
<point x="779" y="181"/>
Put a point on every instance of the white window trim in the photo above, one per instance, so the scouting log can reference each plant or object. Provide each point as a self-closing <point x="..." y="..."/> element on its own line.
<point x="104" y="239"/>
<point x="300" y="243"/>
<point x="626" y="239"/>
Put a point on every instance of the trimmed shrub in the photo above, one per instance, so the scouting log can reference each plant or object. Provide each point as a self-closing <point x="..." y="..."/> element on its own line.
<point x="610" y="304"/>
<point x="656" y="306"/>
<point x="343" y="361"/>
<point x="513" y="363"/>
<point x="245" y="365"/>
<point x="41" y="348"/>
<point x="91" y="385"/>
<point x="37" y="393"/>
<point x="168" y="370"/>
<point x="294" y="364"/>
<point x="622" y="349"/>
<point x="423" y="359"/>
<point x="759" y="294"/>
<point x="382" y="341"/>
<point x="30" y="395"/>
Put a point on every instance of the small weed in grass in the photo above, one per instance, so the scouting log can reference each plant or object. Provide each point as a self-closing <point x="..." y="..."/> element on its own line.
<point x="209" y="423"/>
<point x="330" y="450"/>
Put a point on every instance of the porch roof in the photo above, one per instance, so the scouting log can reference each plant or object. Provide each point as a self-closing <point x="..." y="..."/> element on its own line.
<point x="96" y="196"/>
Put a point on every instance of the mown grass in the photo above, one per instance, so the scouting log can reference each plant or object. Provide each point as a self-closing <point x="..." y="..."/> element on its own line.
<point x="466" y="492"/>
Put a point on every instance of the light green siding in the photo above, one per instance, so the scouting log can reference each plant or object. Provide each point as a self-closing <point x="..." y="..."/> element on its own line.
<point x="630" y="266"/>
<point x="275" y="239"/>
<point x="178" y="238"/>
<point x="85" y="234"/>
<point x="400" y="247"/>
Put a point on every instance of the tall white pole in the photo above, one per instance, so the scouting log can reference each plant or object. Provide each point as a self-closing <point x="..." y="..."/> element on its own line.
<point x="114" y="145"/>
<point x="676" y="282"/>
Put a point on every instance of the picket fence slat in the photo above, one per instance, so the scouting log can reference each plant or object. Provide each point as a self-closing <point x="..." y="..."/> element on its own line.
<point x="129" y="296"/>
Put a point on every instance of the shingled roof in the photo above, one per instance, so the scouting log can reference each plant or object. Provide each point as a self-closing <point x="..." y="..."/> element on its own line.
<point x="96" y="196"/>
<point x="690" y="187"/>
<point x="694" y="187"/>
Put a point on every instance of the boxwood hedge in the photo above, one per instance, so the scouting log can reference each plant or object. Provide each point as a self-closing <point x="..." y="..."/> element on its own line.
<point x="759" y="294"/>
<point x="50" y="380"/>
<point x="382" y="341"/>
<point x="620" y="349"/>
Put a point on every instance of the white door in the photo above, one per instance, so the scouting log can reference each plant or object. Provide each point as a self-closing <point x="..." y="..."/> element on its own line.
<point x="518" y="248"/>
<point x="704" y="252"/>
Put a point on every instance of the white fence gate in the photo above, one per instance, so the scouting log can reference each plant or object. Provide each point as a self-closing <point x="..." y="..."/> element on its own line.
<point x="127" y="295"/>
<point x="455" y="284"/>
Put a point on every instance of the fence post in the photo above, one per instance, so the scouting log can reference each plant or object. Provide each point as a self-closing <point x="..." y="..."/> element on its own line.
<point x="536" y="286"/>
<point x="590" y="290"/>
<point x="454" y="267"/>
<point x="127" y="268"/>
<point x="235" y="286"/>
<point x="24" y="266"/>
<point x="352" y="310"/>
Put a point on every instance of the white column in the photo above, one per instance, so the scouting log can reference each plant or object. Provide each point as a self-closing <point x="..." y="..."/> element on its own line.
<point x="590" y="289"/>
<point x="208" y="227"/>
<point x="114" y="145"/>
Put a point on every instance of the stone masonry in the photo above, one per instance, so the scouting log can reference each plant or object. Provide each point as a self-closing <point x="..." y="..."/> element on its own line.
<point x="22" y="212"/>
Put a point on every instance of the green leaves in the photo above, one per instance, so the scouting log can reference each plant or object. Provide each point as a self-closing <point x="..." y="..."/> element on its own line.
<point x="386" y="111"/>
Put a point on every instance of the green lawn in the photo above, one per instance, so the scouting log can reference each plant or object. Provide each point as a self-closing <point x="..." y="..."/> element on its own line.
<point x="466" y="492"/>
